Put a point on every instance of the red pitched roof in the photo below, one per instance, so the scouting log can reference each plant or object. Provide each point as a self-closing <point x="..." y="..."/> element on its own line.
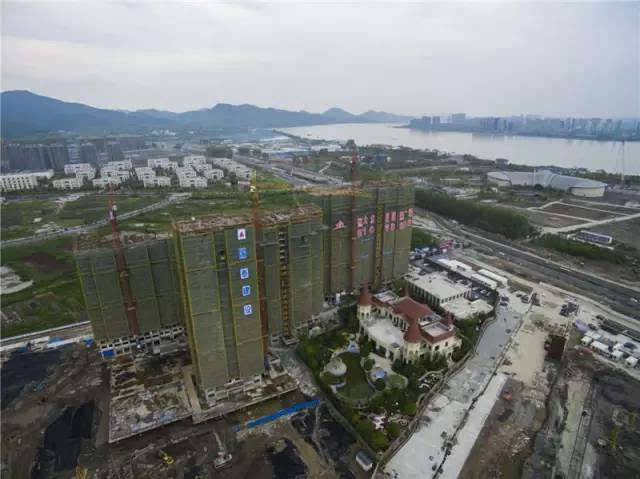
<point x="412" y="310"/>
<point x="413" y="334"/>
<point x="365" y="296"/>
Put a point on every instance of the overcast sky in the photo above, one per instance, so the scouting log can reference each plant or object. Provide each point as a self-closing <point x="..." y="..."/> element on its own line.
<point x="573" y="59"/>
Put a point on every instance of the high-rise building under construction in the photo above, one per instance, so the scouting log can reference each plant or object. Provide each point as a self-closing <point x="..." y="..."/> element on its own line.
<point x="238" y="282"/>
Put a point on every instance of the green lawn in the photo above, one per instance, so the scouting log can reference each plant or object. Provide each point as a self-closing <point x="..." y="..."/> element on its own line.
<point x="18" y="215"/>
<point x="55" y="297"/>
<point x="356" y="386"/>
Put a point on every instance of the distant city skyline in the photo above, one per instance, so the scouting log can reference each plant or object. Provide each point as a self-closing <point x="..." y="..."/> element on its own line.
<point x="576" y="60"/>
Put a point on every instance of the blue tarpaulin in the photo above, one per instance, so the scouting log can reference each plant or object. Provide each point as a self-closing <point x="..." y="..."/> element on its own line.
<point x="282" y="412"/>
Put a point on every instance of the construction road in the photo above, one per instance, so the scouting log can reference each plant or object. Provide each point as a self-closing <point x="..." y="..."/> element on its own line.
<point x="615" y="295"/>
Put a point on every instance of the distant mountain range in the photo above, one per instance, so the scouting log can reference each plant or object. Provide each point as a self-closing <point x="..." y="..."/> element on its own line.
<point x="27" y="114"/>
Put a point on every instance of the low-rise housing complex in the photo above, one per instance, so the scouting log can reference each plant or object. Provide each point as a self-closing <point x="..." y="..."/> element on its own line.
<point x="68" y="183"/>
<point x="192" y="182"/>
<point x="156" y="181"/>
<point x="112" y="172"/>
<point x="74" y="168"/>
<point x="120" y="165"/>
<point x="164" y="163"/>
<point x="241" y="171"/>
<point x="214" y="174"/>
<point x="194" y="160"/>
<point x="23" y="181"/>
<point x="106" y="181"/>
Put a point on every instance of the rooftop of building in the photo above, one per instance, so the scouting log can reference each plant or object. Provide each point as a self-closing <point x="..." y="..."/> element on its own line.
<point x="462" y="308"/>
<point x="545" y="178"/>
<point x="437" y="331"/>
<point x="411" y="309"/>
<point x="437" y="284"/>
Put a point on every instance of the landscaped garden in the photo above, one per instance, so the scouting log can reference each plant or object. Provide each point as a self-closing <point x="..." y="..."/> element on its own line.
<point x="377" y="406"/>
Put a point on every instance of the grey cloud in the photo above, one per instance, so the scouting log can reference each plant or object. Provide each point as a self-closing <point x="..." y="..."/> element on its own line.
<point x="497" y="58"/>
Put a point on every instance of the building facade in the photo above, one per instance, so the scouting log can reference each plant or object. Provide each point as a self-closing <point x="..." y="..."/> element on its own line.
<point x="403" y="329"/>
<point x="23" y="181"/>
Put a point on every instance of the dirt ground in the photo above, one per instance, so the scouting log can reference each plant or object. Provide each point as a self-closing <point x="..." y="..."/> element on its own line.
<point x="626" y="232"/>
<point x="588" y="212"/>
<point x="553" y="221"/>
<point x="55" y="416"/>
<point x="506" y="439"/>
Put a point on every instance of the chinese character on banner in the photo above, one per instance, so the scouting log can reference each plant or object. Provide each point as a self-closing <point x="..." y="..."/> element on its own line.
<point x="246" y="290"/>
<point x="386" y="217"/>
<point x="371" y="230"/>
<point x="393" y="216"/>
<point x="386" y="227"/>
<point x="248" y="309"/>
<point x="372" y="219"/>
<point x="365" y="220"/>
<point x="359" y="233"/>
<point x="401" y="226"/>
<point x="401" y="215"/>
<point x="242" y="234"/>
<point x="410" y="211"/>
<point x="359" y="220"/>
<point x="242" y="253"/>
<point x="339" y="225"/>
<point x="244" y="273"/>
<point x="392" y="226"/>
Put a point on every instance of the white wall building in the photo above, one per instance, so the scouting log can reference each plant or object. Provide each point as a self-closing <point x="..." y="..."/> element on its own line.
<point x="68" y="183"/>
<point x="196" y="182"/>
<point x="436" y="288"/>
<point x="145" y="171"/>
<point x="115" y="173"/>
<point x="192" y="160"/>
<point x="164" y="163"/>
<point x="106" y="181"/>
<point x="23" y="181"/>
<point x="73" y="168"/>
<point x="156" y="181"/>
<point x="120" y="165"/>
<point x="547" y="179"/>
<point x="89" y="174"/>
<point x="186" y="172"/>
<point x="501" y="280"/>
<point x="214" y="174"/>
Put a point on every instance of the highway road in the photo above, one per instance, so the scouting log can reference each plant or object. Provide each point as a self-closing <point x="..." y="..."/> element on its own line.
<point x="173" y="198"/>
<point x="603" y="290"/>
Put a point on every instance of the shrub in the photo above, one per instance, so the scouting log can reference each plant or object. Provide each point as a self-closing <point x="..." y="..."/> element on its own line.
<point x="393" y="430"/>
<point x="380" y="384"/>
<point x="409" y="409"/>
<point x="368" y="364"/>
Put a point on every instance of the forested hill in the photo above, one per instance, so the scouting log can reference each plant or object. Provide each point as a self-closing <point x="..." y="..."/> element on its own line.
<point x="26" y="114"/>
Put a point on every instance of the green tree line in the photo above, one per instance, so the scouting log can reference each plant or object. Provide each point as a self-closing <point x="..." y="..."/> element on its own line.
<point x="580" y="249"/>
<point x="489" y="218"/>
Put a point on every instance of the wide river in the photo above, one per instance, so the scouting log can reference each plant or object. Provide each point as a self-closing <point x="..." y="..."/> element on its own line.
<point x="526" y="150"/>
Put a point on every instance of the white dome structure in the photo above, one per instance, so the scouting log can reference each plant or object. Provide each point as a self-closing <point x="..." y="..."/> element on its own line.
<point x="547" y="179"/>
<point x="336" y="367"/>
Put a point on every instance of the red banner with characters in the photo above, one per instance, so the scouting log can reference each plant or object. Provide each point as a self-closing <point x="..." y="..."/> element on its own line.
<point x="398" y="220"/>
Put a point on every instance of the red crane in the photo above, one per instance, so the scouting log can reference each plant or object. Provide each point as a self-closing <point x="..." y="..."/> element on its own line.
<point x="354" y="183"/>
<point x="121" y="264"/>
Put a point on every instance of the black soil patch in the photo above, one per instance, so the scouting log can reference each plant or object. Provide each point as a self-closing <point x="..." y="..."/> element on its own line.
<point x="304" y="423"/>
<point x="63" y="441"/>
<point x="22" y="369"/>
<point x="337" y="441"/>
<point x="286" y="462"/>
<point x="47" y="263"/>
